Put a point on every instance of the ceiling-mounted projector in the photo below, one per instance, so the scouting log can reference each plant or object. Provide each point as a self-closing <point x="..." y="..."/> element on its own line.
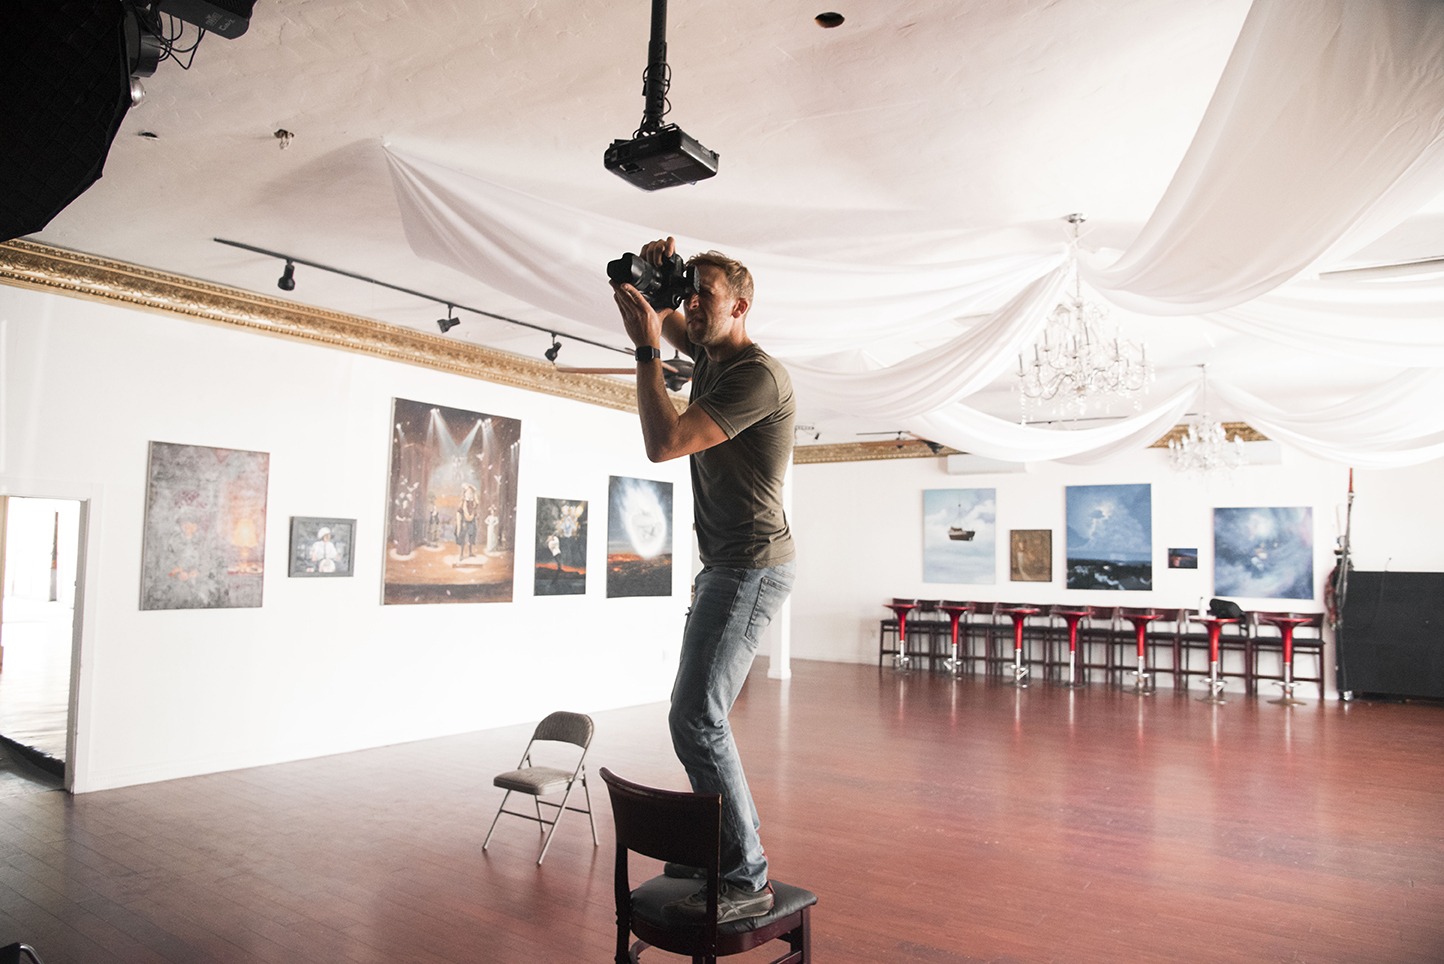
<point x="664" y="159"/>
<point x="659" y="156"/>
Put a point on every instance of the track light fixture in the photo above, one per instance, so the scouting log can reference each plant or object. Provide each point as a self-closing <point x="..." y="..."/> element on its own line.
<point x="555" y="350"/>
<point x="288" y="282"/>
<point x="449" y="322"/>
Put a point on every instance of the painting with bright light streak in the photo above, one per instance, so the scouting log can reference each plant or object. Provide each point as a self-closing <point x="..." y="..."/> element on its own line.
<point x="960" y="536"/>
<point x="451" y="505"/>
<point x="205" y="528"/>
<point x="1267" y="553"/>
<point x="1110" y="537"/>
<point x="639" y="538"/>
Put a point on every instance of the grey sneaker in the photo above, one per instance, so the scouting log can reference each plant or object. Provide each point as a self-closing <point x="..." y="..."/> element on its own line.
<point x="733" y="903"/>
<point x="683" y="872"/>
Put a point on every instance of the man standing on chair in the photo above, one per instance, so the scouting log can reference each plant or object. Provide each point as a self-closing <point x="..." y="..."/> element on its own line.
<point x="738" y="431"/>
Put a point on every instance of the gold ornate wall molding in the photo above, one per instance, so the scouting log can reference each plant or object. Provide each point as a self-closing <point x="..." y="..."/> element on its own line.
<point x="41" y="267"/>
<point x="1231" y="430"/>
<point x="867" y="452"/>
<point x="916" y="449"/>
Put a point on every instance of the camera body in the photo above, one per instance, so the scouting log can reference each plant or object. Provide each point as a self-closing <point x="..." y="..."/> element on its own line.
<point x="664" y="287"/>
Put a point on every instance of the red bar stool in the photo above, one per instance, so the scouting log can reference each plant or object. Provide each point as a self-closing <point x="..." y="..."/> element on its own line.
<point x="1287" y="623"/>
<point x="956" y="611"/>
<point x="1018" y="614"/>
<point x="1072" y="617"/>
<point x="900" y="609"/>
<point x="1143" y="682"/>
<point x="1215" y="682"/>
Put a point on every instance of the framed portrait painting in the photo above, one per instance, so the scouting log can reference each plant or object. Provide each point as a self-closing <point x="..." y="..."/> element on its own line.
<point x="321" y="547"/>
<point x="1030" y="555"/>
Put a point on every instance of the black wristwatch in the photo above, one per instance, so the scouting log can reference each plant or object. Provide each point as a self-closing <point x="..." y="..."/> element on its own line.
<point x="646" y="353"/>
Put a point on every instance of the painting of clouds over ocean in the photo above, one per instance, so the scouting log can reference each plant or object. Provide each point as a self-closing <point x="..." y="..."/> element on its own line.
<point x="1110" y="536"/>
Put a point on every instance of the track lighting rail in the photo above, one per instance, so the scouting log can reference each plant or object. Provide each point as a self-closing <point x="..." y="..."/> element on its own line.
<point x="448" y="303"/>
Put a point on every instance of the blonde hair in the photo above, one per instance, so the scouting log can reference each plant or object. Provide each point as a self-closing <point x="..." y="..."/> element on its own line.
<point x="739" y="279"/>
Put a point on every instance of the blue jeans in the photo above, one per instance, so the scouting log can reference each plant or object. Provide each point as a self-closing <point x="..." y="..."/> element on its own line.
<point x="730" y="609"/>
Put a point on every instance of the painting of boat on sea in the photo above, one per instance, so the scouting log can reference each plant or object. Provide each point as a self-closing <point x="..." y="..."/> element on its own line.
<point x="960" y="535"/>
<point x="1110" y="537"/>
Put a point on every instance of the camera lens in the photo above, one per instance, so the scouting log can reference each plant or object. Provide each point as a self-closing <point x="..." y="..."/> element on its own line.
<point x="630" y="269"/>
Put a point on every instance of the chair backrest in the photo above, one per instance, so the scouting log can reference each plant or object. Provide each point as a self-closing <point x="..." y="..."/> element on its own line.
<point x="669" y="825"/>
<point x="564" y="727"/>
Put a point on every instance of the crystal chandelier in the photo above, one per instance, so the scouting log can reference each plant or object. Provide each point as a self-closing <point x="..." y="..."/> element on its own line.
<point x="1205" y="446"/>
<point x="1081" y="358"/>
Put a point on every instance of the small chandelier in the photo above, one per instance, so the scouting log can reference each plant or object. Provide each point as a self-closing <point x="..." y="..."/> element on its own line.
<point x="1205" y="446"/>
<point x="1080" y="358"/>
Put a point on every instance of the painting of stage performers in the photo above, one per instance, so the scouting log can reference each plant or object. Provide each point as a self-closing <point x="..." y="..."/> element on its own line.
<point x="451" y="506"/>
<point x="205" y="528"/>
<point x="1110" y="537"/>
<point x="561" y="547"/>
<point x="639" y="538"/>
<point x="1266" y="553"/>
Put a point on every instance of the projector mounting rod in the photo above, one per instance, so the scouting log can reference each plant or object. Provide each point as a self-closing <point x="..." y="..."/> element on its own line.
<point x="656" y="77"/>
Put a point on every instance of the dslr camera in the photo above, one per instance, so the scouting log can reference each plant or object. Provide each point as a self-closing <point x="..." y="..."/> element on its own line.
<point x="664" y="287"/>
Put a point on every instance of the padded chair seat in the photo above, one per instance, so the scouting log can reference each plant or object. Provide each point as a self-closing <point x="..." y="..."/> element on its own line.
<point x="649" y="899"/>
<point x="539" y="781"/>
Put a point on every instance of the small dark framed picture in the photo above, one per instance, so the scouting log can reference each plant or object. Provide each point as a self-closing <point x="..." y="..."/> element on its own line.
<point x="322" y="547"/>
<point x="1186" y="558"/>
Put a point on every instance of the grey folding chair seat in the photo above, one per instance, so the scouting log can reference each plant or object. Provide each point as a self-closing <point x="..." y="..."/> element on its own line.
<point x="538" y="781"/>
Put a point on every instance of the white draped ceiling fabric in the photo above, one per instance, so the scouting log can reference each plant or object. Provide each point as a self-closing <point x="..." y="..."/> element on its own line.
<point x="1325" y="132"/>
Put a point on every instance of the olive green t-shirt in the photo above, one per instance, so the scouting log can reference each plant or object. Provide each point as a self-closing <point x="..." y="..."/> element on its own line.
<point x="737" y="484"/>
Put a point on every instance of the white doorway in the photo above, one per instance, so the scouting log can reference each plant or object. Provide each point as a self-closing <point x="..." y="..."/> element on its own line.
<point x="40" y="541"/>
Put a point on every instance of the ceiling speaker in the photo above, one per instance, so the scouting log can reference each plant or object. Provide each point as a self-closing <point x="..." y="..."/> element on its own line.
<point x="66" y="79"/>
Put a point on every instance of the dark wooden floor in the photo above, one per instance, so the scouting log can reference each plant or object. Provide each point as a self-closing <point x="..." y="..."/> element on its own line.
<point x="938" y="821"/>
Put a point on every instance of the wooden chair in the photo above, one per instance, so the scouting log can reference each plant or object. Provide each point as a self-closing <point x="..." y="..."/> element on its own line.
<point x="542" y="781"/>
<point x="1306" y="636"/>
<point x="928" y="630"/>
<point x="686" y="828"/>
<point x="984" y="626"/>
<point x="1096" y="639"/>
<point x="1234" y="638"/>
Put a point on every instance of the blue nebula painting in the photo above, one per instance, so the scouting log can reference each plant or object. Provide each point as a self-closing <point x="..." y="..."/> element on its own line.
<point x="960" y="535"/>
<point x="1110" y="536"/>
<point x="1267" y="553"/>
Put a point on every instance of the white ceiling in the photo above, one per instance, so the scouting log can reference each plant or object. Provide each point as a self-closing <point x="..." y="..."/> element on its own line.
<point x="974" y="125"/>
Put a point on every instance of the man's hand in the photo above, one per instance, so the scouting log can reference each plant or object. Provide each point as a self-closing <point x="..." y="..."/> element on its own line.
<point x="643" y="324"/>
<point x="655" y="252"/>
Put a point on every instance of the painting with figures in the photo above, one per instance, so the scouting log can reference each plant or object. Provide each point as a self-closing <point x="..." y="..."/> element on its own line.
<point x="451" y="505"/>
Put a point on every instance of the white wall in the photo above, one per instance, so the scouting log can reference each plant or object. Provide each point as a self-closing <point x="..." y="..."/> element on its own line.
<point x="322" y="667"/>
<point x="859" y="530"/>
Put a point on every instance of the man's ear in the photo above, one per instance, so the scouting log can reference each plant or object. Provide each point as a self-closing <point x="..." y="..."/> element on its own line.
<point x="739" y="307"/>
